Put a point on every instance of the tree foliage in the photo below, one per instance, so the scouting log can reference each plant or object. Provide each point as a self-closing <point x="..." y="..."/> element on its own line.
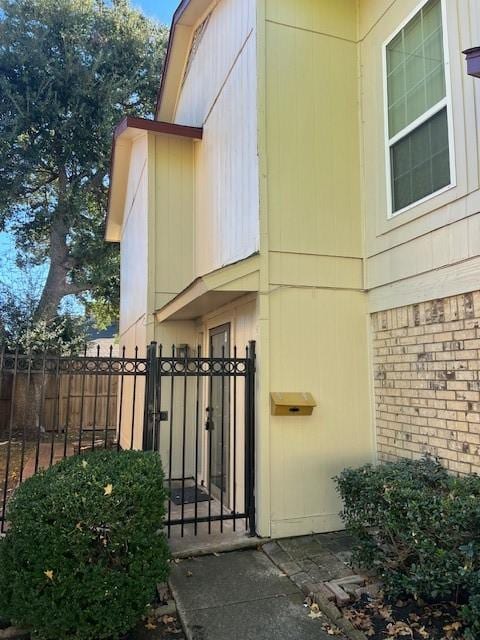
<point x="69" y="70"/>
<point x="20" y="292"/>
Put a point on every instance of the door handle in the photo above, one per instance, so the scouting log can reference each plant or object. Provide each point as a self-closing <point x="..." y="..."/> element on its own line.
<point x="209" y="421"/>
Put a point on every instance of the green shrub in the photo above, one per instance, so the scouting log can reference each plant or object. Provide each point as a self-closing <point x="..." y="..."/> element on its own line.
<point x="471" y="617"/>
<point x="85" y="549"/>
<point x="415" y="525"/>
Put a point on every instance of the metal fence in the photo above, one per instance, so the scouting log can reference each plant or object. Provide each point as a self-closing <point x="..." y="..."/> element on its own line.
<point x="197" y="412"/>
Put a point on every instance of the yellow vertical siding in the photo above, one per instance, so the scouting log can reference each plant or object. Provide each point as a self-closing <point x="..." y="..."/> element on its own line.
<point x="317" y="344"/>
<point x="218" y="94"/>
<point x="135" y="285"/>
<point x="226" y="180"/>
<point x="336" y="19"/>
<point x="133" y="255"/>
<point x="315" y="337"/>
<point x="230" y="24"/>
<point x="312" y="142"/>
<point x="171" y="221"/>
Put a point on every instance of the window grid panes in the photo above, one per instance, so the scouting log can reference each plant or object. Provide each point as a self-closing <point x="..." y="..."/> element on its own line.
<point x="416" y="84"/>
<point x="420" y="162"/>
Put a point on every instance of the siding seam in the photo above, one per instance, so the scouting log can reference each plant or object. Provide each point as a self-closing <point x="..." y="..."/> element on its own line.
<point x="305" y="29"/>
<point x="227" y="77"/>
<point x="134" y="199"/>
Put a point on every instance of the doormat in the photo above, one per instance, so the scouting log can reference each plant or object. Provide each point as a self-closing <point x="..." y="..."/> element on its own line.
<point x="188" y="495"/>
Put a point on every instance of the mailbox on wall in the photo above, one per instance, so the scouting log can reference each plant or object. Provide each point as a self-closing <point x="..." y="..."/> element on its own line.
<point x="292" y="403"/>
<point x="473" y="61"/>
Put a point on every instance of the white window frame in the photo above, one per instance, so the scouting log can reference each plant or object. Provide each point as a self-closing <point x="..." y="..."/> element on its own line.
<point x="445" y="102"/>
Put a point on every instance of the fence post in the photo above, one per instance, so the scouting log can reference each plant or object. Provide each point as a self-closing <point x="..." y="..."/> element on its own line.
<point x="150" y="417"/>
<point x="250" y="439"/>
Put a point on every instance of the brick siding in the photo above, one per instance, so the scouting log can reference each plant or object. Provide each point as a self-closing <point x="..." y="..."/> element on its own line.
<point x="427" y="381"/>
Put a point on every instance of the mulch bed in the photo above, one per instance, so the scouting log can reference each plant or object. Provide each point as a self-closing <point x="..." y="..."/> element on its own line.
<point x="405" y="619"/>
<point x="161" y="622"/>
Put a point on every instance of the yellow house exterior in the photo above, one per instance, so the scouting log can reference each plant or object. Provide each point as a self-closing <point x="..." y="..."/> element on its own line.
<point x="260" y="199"/>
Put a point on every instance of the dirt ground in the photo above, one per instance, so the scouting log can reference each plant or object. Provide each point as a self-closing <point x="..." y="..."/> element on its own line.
<point x="14" y="464"/>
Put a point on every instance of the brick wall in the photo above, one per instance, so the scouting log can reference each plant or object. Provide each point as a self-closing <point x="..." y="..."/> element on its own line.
<point x="427" y="381"/>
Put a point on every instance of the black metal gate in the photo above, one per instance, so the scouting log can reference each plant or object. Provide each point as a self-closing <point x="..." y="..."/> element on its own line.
<point x="181" y="421"/>
<point x="52" y="407"/>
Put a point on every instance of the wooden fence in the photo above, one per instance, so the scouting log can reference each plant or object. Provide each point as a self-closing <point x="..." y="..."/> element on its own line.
<point x="69" y="401"/>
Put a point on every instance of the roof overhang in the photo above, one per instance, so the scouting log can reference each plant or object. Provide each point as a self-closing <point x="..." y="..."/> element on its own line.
<point x="212" y="291"/>
<point x="126" y="131"/>
<point x="185" y="18"/>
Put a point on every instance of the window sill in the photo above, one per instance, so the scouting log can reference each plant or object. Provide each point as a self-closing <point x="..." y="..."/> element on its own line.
<point x="395" y="214"/>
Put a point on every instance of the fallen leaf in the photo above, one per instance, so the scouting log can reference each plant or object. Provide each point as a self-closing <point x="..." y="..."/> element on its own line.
<point x="107" y="490"/>
<point x="399" y="629"/>
<point x="315" y="612"/>
<point x="359" y="620"/>
<point x="150" y="626"/>
<point x="49" y="574"/>
<point x="385" y="613"/>
<point x="452" y="628"/>
<point x="331" y="629"/>
<point x="189" y="574"/>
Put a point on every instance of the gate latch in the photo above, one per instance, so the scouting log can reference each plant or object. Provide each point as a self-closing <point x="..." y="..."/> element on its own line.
<point x="209" y="421"/>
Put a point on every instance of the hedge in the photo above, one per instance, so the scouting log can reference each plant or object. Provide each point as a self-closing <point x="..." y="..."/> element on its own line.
<point x="85" y="547"/>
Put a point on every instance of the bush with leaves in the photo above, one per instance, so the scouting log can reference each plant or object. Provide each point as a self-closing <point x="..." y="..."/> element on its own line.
<point x="471" y="616"/>
<point x="85" y="548"/>
<point x="417" y="526"/>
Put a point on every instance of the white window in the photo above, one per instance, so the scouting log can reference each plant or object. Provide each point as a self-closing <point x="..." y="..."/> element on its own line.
<point x="419" y="141"/>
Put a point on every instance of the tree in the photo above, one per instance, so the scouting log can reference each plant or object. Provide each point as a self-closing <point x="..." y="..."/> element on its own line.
<point x="69" y="70"/>
<point x="67" y="333"/>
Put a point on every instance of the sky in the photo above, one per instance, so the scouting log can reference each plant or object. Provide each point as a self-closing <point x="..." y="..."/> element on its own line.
<point x="160" y="9"/>
<point x="163" y="11"/>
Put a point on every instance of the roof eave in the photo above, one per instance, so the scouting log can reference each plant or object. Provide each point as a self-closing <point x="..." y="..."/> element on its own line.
<point x="127" y="128"/>
<point x="184" y="20"/>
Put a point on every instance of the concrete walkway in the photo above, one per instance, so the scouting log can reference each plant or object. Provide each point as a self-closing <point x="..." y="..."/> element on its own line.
<point x="240" y="595"/>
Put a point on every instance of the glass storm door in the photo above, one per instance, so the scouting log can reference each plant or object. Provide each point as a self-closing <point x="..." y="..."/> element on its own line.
<point x="219" y="417"/>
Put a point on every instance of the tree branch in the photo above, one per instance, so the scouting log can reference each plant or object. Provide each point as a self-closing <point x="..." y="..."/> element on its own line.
<point x="73" y="289"/>
<point x="30" y="192"/>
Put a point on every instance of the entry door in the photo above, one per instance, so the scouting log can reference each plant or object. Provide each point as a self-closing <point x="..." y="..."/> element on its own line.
<point x="219" y="418"/>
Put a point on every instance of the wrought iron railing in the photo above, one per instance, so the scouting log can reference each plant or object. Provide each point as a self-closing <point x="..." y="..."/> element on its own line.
<point x="197" y="412"/>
